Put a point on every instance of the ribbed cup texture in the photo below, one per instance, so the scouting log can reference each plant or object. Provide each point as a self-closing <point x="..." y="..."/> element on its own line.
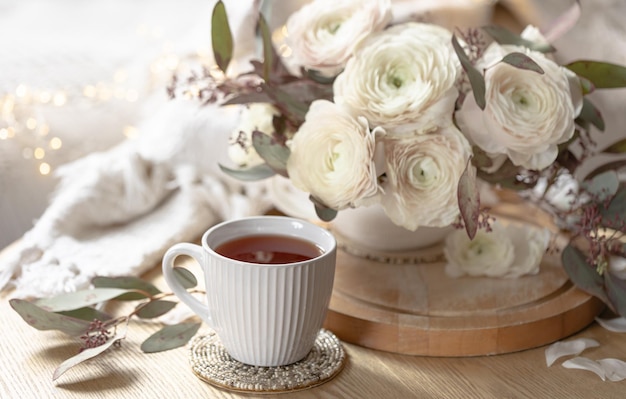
<point x="268" y="315"/>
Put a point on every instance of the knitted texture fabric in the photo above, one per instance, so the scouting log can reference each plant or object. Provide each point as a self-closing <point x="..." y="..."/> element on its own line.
<point x="116" y="212"/>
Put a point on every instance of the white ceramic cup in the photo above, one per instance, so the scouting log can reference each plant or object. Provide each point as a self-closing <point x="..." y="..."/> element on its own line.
<point x="264" y="314"/>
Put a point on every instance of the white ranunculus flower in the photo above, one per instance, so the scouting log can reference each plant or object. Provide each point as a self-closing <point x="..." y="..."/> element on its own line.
<point x="527" y="114"/>
<point x="323" y="33"/>
<point x="509" y="251"/>
<point x="256" y="116"/>
<point x="332" y="156"/>
<point x="423" y="173"/>
<point x="404" y="75"/>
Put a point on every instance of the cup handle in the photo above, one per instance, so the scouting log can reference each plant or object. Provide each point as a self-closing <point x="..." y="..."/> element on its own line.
<point x="196" y="252"/>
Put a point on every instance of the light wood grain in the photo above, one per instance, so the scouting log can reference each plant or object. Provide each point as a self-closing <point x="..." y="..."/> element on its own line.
<point x="406" y="303"/>
<point x="28" y="358"/>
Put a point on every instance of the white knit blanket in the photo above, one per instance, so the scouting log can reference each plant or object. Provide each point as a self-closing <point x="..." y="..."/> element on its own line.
<point x="116" y="212"/>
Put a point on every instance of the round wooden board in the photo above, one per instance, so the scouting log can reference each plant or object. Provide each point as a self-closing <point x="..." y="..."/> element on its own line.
<point x="413" y="307"/>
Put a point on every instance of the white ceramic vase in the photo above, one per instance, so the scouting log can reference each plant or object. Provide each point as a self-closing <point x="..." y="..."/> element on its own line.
<point x="364" y="227"/>
<point x="370" y="227"/>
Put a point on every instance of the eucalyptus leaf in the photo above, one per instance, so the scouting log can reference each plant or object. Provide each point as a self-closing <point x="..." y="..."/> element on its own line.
<point x="522" y="61"/>
<point x="127" y="282"/>
<point x="294" y="109"/>
<point x="591" y="114"/>
<point x="274" y="153"/>
<point x="185" y="277"/>
<point x="616" y="291"/>
<point x="614" y="165"/>
<point x="42" y="319"/>
<point x="322" y="211"/>
<point x="268" y="49"/>
<point x="221" y="37"/>
<point x="603" y="75"/>
<point x="258" y="172"/>
<point x="247" y="98"/>
<point x="170" y="337"/>
<point x="583" y="275"/>
<point x="619" y="147"/>
<point x="80" y="299"/>
<point x="602" y="186"/>
<point x="89" y="353"/>
<point x="155" y="309"/>
<point x="318" y="77"/>
<point x="469" y="199"/>
<point x="586" y="85"/>
<point x="614" y="216"/>
<point x="477" y="81"/>
<point x="505" y="36"/>
<point x="87" y="313"/>
<point x="325" y="214"/>
<point x="480" y="158"/>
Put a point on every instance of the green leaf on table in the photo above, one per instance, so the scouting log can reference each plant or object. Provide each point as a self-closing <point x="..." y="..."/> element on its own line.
<point x="602" y="186"/>
<point x="185" y="277"/>
<point x="505" y="36"/>
<point x="469" y="199"/>
<point x="221" y="37"/>
<point x="130" y="283"/>
<point x="89" y="353"/>
<point x="616" y="291"/>
<point x="591" y="114"/>
<point x="619" y="147"/>
<point x="522" y="61"/>
<point x="42" y="319"/>
<point x="603" y="75"/>
<point x="583" y="275"/>
<point x="273" y="152"/>
<point x="155" y="309"/>
<point x="254" y="173"/>
<point x="170" y="337"/>
<point x="87" y="313"/>
<point x="80" y="299"/>
<point x="477" y="81"/>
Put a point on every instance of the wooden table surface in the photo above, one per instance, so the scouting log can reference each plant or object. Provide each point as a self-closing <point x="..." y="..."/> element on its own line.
<point x="28" y="358"/>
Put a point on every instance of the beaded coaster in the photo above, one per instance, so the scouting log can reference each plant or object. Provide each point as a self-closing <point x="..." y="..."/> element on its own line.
<point x="212" y="364"/>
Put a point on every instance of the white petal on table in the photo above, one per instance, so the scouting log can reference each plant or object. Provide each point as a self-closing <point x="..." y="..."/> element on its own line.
<point x="568" y="348"/>
<point x="583" y="363"/>
<point x="617" y="324"/>
<point x="614" y="369"/>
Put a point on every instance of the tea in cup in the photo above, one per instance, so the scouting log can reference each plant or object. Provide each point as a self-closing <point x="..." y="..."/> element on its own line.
<point x="268" y="285"/>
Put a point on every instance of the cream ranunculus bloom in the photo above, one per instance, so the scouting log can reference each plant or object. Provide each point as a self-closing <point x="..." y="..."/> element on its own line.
<point x="402" y="76"/>
<point x="256" y="116"/>
<point x="509" y="251"/>
<point x="423" y="173"/>
<point x="527" y="114"/>
<point x="323" y="33"/>
<point x="332" y="156"/>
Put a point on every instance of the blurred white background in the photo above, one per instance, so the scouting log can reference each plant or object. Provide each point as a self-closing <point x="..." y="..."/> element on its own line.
<point x="75" y="76"/>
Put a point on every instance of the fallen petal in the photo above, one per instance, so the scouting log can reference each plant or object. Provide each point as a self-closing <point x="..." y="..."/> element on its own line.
<point x="614" y="369"/>
<point x="617" y="324"/>
<point x="568" y="348"/>
<point x="583" y="363"/>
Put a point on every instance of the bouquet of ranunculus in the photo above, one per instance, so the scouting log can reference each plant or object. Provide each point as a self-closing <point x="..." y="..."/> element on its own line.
<point x="358" y="111"/>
